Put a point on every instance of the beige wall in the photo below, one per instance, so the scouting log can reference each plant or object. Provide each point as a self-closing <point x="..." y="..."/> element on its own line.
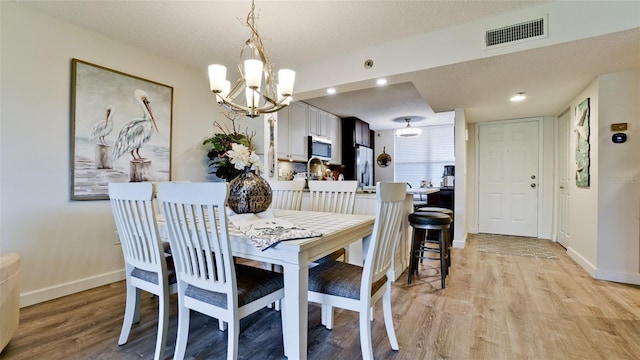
<point x="583" y="213"/>
<point x="68" y="246"/>
<point x="618" y="186"/>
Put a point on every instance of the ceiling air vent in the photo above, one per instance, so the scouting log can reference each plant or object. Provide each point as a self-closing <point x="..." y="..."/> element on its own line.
<point x="522" y="31"/>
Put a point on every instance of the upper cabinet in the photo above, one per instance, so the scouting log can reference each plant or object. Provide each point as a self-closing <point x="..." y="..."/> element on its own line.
<point x="299" y="120"/>
<point x="318" y="122"/>
<point x="293" y="131"/>
<point x="357" y="130"/>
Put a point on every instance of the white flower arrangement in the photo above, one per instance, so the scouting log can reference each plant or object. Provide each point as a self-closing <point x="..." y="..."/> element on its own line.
<point x="241" y="157"/>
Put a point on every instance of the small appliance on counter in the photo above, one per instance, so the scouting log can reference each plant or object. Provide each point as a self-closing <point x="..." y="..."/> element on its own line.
<point x="448" y="176"/>
<point x="304" y="176"/>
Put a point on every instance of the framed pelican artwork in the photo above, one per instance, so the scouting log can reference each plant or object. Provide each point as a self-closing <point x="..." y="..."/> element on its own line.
<point x="120" y="130"/>
<point x="583" y="147"/>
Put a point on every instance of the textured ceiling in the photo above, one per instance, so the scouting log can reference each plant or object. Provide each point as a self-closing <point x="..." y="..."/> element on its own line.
<point x="197" y="33"/>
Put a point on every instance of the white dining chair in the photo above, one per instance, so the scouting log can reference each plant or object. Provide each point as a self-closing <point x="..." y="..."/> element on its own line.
<point x="147" y="267"/>
<point x="333" y="196"/>
<point x="338" y="197"/>
<point x="357" y="288"/>
<point x="286" y="195"/>
<point x="208" y="280"/>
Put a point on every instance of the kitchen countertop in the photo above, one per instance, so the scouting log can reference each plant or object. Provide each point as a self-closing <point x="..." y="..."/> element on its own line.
<point x="414" y="191"/>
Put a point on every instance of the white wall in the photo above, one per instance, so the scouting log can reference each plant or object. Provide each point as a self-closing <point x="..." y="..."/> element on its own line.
<point x="461" y="201"/>
<point x="605" y="218"/>
<point x="618" y="188"/>
<point x="583" y="203"/>
<point x="547" y="180"/>
<point x="384" y="141"/>
<point x="68" y="246"/>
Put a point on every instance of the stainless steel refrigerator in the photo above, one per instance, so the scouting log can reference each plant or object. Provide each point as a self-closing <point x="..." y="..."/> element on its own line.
<point x="364" y="166"/>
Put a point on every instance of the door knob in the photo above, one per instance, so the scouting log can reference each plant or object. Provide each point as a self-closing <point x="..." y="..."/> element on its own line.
<point x="561" y="187"/>
<point x="533" y="185"/>
<point x="533" y="177"/>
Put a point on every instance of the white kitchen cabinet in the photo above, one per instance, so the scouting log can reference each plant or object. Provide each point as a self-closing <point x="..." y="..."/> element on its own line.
<point x="317" y="122"/>
<point x="293" y="132"/>
<point x="334" y="134"/>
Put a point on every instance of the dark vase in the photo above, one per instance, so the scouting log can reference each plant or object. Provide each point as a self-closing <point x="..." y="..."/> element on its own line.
<point x="249" y="193"/>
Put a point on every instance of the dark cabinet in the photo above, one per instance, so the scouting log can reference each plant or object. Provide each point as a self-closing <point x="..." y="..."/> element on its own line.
<point x="356" y="132"/>
<point x="443" y="198"/>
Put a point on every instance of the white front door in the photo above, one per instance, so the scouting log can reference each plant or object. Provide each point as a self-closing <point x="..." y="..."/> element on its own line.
<point x="508" y="178"/>
<point x="565" y="174"/>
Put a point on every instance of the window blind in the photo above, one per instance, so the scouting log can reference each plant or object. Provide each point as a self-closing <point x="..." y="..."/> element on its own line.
<point x="423" y="157"/>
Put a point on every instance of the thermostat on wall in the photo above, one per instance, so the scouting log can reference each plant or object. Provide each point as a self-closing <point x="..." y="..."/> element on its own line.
<point x="619" y="138"/>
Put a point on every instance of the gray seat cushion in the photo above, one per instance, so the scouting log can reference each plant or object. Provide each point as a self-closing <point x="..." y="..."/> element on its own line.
<point x="339" y="279"/>
<point x="152" y="277"/>
<point x="253" y="283"/>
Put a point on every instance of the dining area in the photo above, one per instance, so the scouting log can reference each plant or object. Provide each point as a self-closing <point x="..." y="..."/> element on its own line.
<point x="219" y="269"/>
<point x="464" y="321"/>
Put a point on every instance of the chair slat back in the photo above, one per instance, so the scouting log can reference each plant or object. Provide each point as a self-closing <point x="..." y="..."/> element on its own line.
<point x="196" y="220"/>
<point x="135" y="218"/>
<point x="286" y="195"/>
<point x="333" y="196"/>
<point x="386" y="232"/>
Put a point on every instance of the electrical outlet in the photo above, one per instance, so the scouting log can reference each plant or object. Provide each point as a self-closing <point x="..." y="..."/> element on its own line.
<point x="116" y="239"/>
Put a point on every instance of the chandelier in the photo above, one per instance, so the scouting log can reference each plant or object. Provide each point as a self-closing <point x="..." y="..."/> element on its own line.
<point x="408" y="130"/>
<point x="254" y="65"/>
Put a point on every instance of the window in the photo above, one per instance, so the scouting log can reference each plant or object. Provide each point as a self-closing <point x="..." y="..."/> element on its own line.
<point x="423" y="157"/>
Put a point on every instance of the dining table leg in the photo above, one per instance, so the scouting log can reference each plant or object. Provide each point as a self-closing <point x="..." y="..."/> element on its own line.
<point x="296" y="284"/>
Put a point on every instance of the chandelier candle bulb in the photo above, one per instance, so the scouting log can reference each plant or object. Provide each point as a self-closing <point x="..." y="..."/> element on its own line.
<point x="256" y="65"/>
<point x="286" y="79"/>
<point x="253" y="73"/>
<point x="217" y="77"/>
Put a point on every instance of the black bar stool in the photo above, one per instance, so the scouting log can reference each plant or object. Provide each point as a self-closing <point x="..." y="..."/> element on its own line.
<point x="421" y="222"/>
<point x="444" y="211"/>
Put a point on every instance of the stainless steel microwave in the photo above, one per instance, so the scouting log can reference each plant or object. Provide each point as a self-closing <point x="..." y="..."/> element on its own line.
<point x="320" y="148"/>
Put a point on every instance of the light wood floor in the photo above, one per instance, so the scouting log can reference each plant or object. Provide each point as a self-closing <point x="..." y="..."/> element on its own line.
<point x="494" y="307"/>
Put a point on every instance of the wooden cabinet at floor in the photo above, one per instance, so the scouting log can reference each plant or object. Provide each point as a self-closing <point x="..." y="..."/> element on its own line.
<point x="292" y="132"/>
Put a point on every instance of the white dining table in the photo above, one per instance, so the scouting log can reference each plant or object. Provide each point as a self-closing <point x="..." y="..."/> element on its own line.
<point x="295" y="256"/>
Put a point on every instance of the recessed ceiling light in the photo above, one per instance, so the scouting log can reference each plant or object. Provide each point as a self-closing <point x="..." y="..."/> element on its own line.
<point x="331" y="91"/>
<point x="518" y="97"/>
<point x="381" y="82"/>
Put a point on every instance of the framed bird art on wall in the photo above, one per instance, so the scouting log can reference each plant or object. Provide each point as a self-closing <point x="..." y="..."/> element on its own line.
<point x="120" y="130"/>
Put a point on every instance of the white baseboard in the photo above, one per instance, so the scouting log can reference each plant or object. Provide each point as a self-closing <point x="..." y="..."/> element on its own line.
<point x="460" y="243"/>
<point x="72" y="287"/>
<point x="625" y="278"/>
<point x="599" y="274"/>
<point x="584" y="263"/>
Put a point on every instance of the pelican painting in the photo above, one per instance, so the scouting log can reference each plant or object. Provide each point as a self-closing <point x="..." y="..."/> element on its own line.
<point x="136" y="132"/>
<point x="102" y="128"/>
